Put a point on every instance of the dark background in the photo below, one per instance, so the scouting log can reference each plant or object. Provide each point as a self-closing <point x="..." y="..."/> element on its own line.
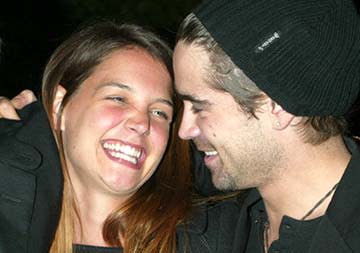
<point x="31" y="30"/>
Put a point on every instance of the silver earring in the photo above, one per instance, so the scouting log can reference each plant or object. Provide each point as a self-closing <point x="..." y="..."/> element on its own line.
<point x="278" y="124"/>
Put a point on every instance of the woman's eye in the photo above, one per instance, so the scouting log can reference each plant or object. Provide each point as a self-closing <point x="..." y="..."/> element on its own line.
<point x="161" y="114"/>
<point x="117" y="99"/>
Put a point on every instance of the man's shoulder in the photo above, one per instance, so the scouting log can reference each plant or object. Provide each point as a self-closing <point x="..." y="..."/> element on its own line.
<point x="30" y="182"/>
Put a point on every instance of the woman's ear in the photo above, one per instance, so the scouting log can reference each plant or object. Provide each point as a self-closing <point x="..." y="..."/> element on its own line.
<point x="57" y="110"/>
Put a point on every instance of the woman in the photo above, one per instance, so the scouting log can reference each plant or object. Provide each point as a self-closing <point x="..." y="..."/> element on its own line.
<point x="108" y="93"/>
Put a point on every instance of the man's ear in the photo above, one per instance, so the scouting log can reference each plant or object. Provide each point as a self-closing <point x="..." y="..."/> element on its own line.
<point x="280" y="118"/>
<point x="57" y="107"/>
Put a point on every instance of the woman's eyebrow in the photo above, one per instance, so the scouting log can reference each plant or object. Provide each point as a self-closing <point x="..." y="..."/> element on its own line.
<point x="113" y="84"/>
<point x="126" y="87"/>
<point x="165" y="101"/>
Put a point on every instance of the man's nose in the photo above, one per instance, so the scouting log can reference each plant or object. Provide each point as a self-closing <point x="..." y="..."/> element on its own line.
<point x="188" y="128"/>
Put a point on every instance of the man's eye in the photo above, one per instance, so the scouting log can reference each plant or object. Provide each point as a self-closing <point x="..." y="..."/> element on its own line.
<point x="195" y="109"/>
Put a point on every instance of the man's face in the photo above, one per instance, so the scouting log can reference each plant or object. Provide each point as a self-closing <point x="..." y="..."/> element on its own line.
<point x="239" y="150"/>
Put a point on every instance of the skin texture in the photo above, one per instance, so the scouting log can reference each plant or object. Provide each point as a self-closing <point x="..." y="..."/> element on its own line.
<point x="246" y="153"/>
<point x="126" y="101"/>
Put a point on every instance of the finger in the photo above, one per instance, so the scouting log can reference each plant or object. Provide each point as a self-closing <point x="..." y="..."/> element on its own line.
<point x="23" y="98"/>
<point x="7" y="110"/>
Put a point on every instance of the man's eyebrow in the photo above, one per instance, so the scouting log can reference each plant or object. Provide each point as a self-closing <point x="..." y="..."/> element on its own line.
<point x="192" y="99"/>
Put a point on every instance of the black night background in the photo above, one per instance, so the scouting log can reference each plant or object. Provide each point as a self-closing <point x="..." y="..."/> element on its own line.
<point x="31" y="30"/>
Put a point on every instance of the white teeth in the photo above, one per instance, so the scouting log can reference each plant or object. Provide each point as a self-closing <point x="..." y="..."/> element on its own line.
<point x="124" y="157"/>
<point x="211" y="153"/>
<point x="127" y="150"/>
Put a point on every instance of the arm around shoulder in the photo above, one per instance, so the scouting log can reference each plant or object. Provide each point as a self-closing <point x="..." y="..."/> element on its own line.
<point x="30" y="182"/>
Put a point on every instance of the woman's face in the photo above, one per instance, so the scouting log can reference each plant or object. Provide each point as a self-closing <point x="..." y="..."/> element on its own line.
<point x="115" y="128"/>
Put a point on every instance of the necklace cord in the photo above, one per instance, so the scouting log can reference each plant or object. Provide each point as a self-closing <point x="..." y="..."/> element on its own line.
<point x="320" y="202"/>
<point x="267" y="224"/>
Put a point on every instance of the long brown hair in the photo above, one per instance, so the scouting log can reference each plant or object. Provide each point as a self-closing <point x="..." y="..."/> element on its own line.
<point x="153" y="212"/>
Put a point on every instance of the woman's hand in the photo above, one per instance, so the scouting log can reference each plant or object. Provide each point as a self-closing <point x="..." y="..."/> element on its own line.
<point x="8" y="107"/>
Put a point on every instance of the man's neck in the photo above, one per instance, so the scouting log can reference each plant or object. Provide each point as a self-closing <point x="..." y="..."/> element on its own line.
<point x="310" y="173"/>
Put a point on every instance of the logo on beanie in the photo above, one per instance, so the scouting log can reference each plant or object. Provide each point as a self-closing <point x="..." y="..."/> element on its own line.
<point x="267" y="42"/>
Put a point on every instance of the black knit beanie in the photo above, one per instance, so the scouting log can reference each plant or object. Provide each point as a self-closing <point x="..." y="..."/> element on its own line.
<point x="304" y="54"/>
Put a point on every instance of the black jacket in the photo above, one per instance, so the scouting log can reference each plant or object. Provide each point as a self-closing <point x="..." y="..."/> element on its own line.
<point x="30" y="183"/>
<point x="211" y="228"/>
<point x="339" y="229"/>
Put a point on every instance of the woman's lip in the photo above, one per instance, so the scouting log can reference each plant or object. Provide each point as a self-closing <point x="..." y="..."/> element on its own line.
<point x="123" y="156"/>
<point x="123" y="143"/>
<point x="135" y="166"/>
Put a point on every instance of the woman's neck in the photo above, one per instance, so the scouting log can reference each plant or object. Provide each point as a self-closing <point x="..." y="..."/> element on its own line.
<point x="93" y="209"/>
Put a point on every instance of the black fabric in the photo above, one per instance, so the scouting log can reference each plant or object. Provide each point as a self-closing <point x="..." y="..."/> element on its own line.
<point x="211" y="228"/>
<point x="304" y="54"/>
<point x="338" y="231"/>
<point x="294" y="236"/>
<point x="202" y="175"/>
<point x="95" y="249"/>
<point x="30" y="183"/>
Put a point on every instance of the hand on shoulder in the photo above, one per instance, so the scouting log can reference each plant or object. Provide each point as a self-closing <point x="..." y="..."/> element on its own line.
<point x="8" y="107"/>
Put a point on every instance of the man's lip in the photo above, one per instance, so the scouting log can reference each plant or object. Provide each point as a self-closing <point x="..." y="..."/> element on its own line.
<point x="209" y="159"/>
<point x="210" y="153"/>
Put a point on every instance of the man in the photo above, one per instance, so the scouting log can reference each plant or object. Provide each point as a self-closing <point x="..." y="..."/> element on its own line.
<point x="265" y="85"/>
<point x="30" y="179"/>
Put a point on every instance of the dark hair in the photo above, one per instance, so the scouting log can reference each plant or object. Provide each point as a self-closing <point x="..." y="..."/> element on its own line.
<point x="152" y="213"/>
<point x="1" y="43"/>
<point x="224" y="75"/>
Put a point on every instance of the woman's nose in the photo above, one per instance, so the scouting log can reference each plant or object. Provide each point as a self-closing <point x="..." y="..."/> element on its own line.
<point x="139" y="122"/>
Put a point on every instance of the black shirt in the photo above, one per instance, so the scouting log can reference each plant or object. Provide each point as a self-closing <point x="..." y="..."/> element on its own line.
<point x="295" y="236"/>
<point x="95" y="249"/>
